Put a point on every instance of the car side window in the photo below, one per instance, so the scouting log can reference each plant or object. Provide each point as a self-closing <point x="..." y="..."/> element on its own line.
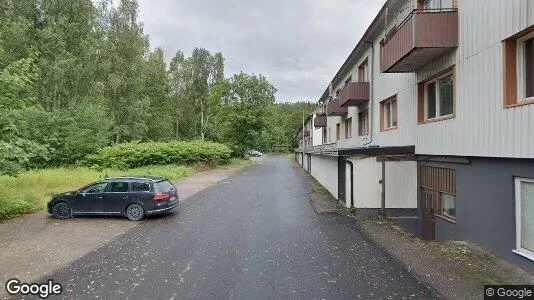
<point x="118" y="187"/>
<point x="140" y="187"/>
<point x="94" y="188"/>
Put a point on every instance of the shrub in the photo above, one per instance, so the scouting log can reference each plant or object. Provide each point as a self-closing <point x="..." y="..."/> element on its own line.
<point x="131" y="155"/>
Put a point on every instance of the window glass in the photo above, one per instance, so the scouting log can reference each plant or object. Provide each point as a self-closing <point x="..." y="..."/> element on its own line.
<point x="164" y="186"/>
<point x="394" y="113"/>
<point x="529" y="68"/>
<point x="445" y="95"/>
<point x="448" y="203"/>
<point x="118" y="187"/>
<point x="140" y="187"/>
<point x="431" y="100"/>
<point x="527" y="215"/>
<point x="94" y="188"/>
<point x="387" y="114"/>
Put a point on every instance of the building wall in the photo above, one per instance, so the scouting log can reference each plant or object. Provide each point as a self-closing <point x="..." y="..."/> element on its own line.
<point x="401" y="184"/>
<point x="324" y="170"/>
<point x="482" y="127"/>
<point x="485" y="204"/>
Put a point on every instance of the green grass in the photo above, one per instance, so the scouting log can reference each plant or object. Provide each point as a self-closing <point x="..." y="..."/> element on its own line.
<point x="30" y="191"/>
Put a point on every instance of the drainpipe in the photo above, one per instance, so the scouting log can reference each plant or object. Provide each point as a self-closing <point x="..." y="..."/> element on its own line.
<point x="371" y="93"/>
<point x="351" y="181"/>
<point x="383" y="194"/>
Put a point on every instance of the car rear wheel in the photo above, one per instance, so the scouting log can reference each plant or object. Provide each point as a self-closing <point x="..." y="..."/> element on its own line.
<point x="62" y="211"/>
<point x="135" y="212"/>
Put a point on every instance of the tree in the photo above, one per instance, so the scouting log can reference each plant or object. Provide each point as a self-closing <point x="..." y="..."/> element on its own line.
<point x="246" y="116"/>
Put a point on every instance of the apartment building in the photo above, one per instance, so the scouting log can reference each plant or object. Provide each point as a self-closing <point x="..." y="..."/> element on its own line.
<point x="430" y="120"/>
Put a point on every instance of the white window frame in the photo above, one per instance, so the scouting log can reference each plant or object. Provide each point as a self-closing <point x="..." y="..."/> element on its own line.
<point x="388" y="117"/>
<point x="520" y="60"/>
<point x="364" y="122"/>
<point x="438" y="107"/>
<point x="518" y="250"/>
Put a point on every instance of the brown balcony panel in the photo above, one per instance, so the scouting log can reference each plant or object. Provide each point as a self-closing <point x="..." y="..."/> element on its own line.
<point x="354" y="94"/>
<point x="424" y="36"/>
<point x="320" y="120"/>
<point x="334" y="109"/>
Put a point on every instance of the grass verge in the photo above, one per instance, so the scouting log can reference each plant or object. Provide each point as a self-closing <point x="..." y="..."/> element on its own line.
<point x="30" y="191"/>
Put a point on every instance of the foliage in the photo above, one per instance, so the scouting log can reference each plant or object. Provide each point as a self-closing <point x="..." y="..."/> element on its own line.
<point x="129" y="155"/>
<point x="80" y="75"/>
<point x="31" y="190"/>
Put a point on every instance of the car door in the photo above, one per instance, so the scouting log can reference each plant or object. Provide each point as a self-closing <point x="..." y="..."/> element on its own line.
<point x="89" y="198"/>
<point x="141" y="193"/>
<point x="116" y="197"/>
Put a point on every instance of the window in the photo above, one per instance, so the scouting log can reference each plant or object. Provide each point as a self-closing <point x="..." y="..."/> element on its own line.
<point x="388" y="113"/>
<point x="519" y="68"/>
<point x="440" y="185"/>
<point x="324" y="136"/>
<point x="439" y="97"/>
<point x="164" y="186"/>
<point x="525" y="66"/>
<point x="338" y="131"/>
<point x="94" y="188"/>
<point x="118" y="187"/>
<point x="348" y="128"/>
<point x="524" y="217"/>
<point x="140" y="187"/>
<point x="437" y="4"/>
<point x="363" y="72"/>
<point x="363" y="122"/>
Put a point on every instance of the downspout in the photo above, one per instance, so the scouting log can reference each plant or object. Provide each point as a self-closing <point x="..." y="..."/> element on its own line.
<point x="371" y="93"/>
<point x="351" y="182"/>
<point x="383" y="194"/>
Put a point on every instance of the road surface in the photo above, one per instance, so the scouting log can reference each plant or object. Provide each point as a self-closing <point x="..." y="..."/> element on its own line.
<point x="252" y="236"/>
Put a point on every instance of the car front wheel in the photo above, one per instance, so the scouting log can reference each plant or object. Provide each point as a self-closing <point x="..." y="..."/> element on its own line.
<point x="135" y="212"/>
<point x="62" y="211"/>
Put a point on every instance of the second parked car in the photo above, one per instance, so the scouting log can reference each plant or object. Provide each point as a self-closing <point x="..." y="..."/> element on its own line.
<point x="133" y="197"/>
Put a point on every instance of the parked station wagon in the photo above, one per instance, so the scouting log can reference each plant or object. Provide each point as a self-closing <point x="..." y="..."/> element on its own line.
<point x="132" y="197"/>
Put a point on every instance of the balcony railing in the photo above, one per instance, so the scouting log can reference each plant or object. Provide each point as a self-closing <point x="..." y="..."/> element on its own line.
<point x="423" y="36"/>
<point x="354" y="94"/>
<point x="320" y="120"/>
<point x="325" y="149"/>
<point x="335" y="109"/>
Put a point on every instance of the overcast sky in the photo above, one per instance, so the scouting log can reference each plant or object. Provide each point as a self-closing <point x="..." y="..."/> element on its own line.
<point x="297" y="44"/>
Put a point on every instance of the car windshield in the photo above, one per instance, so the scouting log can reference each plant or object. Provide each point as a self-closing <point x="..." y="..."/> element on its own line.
<point x="94" y="188"/>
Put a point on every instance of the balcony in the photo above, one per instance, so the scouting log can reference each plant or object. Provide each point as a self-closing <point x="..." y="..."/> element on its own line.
<point x="423" y="36"/>
<point x="354" y="94"/>
<point x="320" y="120"/>
<point x="333" y="108"/>
<point x="325" y="149"/>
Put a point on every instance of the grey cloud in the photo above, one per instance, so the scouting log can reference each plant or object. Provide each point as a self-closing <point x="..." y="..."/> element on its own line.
<point x="298" y="45"/>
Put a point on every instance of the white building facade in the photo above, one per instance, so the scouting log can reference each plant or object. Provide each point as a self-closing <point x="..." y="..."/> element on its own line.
<point x="430" y="121"/>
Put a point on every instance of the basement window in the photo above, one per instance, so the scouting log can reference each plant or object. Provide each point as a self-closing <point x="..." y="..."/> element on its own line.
<point x="439" y="184"/>
<point x="524" y="217"/>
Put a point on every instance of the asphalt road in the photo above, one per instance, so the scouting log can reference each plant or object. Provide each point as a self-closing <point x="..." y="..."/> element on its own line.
<point x="252" y="236"/>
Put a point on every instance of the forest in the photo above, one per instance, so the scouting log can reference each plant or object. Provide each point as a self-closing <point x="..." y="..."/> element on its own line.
<point x="77" y="76"/>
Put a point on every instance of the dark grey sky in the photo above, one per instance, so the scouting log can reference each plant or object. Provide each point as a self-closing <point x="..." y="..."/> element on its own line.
<point x="297" y="44"/>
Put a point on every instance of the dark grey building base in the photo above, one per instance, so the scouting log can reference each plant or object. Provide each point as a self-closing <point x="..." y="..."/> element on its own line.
<point x="485" y="203"/>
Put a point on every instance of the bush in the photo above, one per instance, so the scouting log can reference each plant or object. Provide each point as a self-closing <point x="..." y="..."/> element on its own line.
<point x="131" y="155"/>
